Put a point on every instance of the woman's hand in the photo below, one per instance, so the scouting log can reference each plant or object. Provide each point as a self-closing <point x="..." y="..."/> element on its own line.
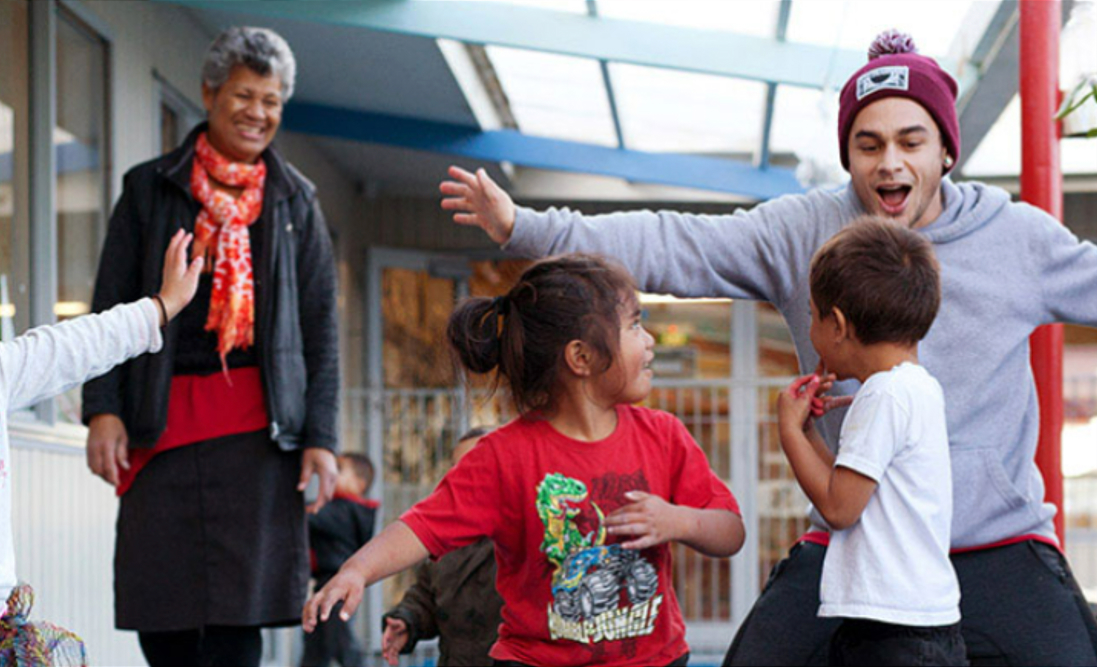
<point x="321" y="462"/>
<point x="180" y="279"/>
<point x="480" y="202"/>
<point x="648" y="518"/>
<point x="348" y="587"/>
<point x="107" y="448"/>
<point x="394" y="639"/>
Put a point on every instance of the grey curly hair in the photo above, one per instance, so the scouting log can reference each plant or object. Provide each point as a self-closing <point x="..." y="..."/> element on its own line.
<point x="260" y="49"/>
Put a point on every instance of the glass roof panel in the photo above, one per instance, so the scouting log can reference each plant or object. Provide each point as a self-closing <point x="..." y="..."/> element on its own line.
<point x="853" y="24"/>
<point x="555" y="96"/>
<point x="684" y="112"/>
<point x="999" y="154"/>
<point x="757" y="18"/>
<point x="571" y="6"/>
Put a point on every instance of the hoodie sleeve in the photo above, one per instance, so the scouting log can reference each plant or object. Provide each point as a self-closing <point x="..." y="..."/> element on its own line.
<point x="1067" y="274"/>
<point x="757" y="254"/>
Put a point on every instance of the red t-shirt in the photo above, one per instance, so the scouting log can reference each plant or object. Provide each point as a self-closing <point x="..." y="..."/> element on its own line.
<point x="571" y="595"/>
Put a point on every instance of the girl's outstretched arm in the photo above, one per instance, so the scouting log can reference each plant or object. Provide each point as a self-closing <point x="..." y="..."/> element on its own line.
<point x="396" y="549"/>
<point x="651" y="521"/>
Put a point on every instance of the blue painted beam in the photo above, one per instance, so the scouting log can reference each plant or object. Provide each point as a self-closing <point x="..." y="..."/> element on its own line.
<point x="614" y="40"/>
<point x="691" y="171"/>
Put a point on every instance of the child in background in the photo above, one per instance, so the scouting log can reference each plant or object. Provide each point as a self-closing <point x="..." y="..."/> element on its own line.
<point x="581" y="494"/>
<point x="47" y="361"/>
<point x="338" y="530"/>
<point x="453" y="599"/>
<point x="887" y="495"/>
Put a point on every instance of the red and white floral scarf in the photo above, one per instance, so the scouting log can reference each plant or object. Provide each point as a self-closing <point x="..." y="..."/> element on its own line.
<point x="222" y="230"/>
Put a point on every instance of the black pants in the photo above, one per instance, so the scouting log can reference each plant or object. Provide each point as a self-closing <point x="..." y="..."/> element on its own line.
<point x="211" y="646"/>
<point x="1019" y="604"/>
<point x="333" y="639"/>
<point x="861" y="643"/>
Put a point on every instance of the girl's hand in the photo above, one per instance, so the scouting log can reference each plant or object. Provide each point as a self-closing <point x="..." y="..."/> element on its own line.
<point x="180" y="280"/>
<point x="649" y="518"/>
<point x="393" y="640"/>
<point x="348" y="587"/>
<point x="794" y="404"/>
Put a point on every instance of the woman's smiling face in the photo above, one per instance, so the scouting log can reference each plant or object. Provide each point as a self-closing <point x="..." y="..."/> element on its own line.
<point x="244" y="113"/>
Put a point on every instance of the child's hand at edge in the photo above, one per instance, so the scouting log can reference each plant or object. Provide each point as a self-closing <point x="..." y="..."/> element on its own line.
<point x="180" y="279"/>
<point x="648" y="518"/>
<point x="393" y="640"/>
<point x="347" y="586"/>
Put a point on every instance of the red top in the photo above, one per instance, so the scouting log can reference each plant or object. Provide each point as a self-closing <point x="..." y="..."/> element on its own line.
<point x="202" y="407"/>
<point x="571" y="595"/>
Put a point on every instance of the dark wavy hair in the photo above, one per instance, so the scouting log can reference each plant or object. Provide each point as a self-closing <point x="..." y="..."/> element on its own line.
<point x="882" y="276"/>
<point x="523" y="333"/>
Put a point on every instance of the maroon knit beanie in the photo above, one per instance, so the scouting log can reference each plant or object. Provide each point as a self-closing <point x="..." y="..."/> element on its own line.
<point x="895" y="69"/>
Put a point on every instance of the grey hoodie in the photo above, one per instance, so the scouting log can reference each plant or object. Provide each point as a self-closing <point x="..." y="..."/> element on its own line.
<point x="1006" y="268"/>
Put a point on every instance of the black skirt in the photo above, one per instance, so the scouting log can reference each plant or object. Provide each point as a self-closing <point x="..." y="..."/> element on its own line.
<point x="213" y="533"/>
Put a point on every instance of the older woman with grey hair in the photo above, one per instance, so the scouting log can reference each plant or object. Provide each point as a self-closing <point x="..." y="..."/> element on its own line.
<point x="211" y="442"/>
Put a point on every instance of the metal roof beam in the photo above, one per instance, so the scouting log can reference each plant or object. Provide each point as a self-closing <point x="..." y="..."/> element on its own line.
<point x="705" y="173"/>
<point x="762" y="159"/>
<point x="615" y="40"/>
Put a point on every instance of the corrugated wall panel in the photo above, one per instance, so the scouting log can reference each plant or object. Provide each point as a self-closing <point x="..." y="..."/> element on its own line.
<point x="64" y="544"/>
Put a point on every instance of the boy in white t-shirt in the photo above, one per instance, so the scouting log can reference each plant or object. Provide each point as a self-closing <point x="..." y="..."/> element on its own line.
<point x="887" y="496"/>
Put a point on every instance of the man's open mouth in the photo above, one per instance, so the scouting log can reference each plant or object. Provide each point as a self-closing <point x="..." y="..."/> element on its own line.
<point x="893" y="198"/>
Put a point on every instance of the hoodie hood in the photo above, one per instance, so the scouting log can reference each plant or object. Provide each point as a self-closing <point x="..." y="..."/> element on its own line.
<point x="968" y="207"/>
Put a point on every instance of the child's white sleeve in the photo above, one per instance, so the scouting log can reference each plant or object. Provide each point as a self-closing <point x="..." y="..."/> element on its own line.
<point x="874" y="431"/>
<point x="48" y="360"/>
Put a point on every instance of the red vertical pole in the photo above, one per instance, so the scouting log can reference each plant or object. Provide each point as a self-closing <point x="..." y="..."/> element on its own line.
<point x="1042" y="186"/>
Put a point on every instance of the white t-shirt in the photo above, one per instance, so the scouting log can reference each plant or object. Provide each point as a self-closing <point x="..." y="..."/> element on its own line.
<point x="892" y="565"/>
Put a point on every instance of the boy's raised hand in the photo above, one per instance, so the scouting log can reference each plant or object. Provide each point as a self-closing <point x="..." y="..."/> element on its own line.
<point x="794" y="404"/>
<point x="180" y="279"/>
<point x="821" y="403"/>
<point x="348" y="586"/>
<point x="479" y="201"/>
<point x="648" y="518"/>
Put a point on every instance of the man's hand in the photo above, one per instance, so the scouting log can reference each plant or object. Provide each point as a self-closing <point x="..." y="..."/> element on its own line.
<point x="479" y="201"/>
<point x="648" y="518"/>
<point x="107" y="447"/>
<point x="393" y="640"/>
<point x="319" y="461"/>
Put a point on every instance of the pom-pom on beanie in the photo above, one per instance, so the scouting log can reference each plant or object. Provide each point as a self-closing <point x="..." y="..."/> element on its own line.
<point x="895" y="69"/>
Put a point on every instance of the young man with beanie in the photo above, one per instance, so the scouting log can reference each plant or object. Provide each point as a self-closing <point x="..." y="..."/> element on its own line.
<point x="1006" y="268"/>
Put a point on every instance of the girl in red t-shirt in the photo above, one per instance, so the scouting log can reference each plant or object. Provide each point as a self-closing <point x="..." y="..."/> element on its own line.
<point x="581" y="494"/>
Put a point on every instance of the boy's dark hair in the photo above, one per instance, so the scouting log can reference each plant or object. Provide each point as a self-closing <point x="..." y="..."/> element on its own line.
<point x="475" y="432"/>
<point x="362" y="466"/>
<point x="882" y="276"/>
<point x="524" y="332"/>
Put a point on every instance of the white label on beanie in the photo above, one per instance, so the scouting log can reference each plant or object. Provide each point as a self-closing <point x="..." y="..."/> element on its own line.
<point x="896" y="77"/>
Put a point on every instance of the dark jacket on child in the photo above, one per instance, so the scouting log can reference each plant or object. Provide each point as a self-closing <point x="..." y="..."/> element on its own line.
<point x="454" y="599"/>
<point x="337" y="531"/>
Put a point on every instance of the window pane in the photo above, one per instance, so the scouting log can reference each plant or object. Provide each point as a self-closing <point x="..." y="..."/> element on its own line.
<point x="14" y="171"/>
<point x="82" y="147"/>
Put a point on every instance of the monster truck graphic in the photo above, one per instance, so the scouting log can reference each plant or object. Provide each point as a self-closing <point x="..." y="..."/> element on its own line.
<point x="590" y="576"/>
